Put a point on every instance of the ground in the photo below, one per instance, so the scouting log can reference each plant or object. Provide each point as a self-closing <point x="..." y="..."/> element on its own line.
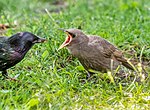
<point x="54" y="80"/>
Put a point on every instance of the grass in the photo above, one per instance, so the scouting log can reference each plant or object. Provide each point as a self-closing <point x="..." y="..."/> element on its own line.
<point x="52" y="79"/>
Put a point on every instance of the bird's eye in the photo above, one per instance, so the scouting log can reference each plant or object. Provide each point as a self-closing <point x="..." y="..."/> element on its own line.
<point x="20" y="34"/>
<point x="73" y="35"/>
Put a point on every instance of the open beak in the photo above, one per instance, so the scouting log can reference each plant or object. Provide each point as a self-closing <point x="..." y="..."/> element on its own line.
<point x="67" y="41"/>
<point x="40" y="40"/>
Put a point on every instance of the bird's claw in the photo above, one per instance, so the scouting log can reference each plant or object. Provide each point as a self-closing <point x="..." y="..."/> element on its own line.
<point x="11" y="79"/>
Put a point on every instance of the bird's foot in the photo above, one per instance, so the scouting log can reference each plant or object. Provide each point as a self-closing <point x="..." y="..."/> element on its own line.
<point x="5" y="74"/>
<point x="88" y="76"/>
<point x="11" y="79"/>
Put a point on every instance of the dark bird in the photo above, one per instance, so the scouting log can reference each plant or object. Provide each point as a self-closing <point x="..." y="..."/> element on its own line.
<point x="94" y="52"/>
<point x="14" y="48"/>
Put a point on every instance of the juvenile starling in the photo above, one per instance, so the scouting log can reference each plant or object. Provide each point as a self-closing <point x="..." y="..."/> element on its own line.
<point x="93" y="52"/>
<point x="14" y="48"/>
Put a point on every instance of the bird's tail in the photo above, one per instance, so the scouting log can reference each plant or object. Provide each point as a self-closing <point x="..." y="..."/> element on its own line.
<point x="128" y="64"/>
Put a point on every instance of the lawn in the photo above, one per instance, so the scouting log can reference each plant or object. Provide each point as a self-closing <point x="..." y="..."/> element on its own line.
<point x="53" y="80"/>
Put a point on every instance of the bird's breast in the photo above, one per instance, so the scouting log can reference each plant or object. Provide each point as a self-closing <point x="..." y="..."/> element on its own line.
<point x="74" y="51"/>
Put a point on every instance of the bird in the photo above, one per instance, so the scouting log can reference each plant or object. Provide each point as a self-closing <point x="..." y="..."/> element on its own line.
<point x="94" y="52"/>
<point x="14" y="48"/>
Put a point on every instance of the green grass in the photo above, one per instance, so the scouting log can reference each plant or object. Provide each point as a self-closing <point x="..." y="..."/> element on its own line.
<point x="49" y="80"/>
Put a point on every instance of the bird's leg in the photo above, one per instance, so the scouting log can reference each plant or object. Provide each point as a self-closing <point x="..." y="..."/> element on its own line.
<point x="110" y="77"/>
<point x="88" y="75"/>
<point x="5" y="74"/>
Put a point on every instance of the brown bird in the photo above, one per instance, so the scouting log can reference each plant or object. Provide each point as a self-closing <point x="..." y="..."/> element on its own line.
<point x="93" y="51"/>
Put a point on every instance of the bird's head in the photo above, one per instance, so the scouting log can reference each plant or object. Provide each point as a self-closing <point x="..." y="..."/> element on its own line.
<point x="74" y="37"/>
<point x="28" y="37"/>
<point x="24" y="40"/>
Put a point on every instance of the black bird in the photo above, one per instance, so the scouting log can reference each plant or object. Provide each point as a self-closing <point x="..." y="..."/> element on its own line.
<point x="14" y="48"/>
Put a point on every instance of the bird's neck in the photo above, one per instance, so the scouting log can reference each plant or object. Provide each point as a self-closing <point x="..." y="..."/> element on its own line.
<point x="22" y="49"/>
<point x="77" y="46"/>
<point x="78" y="49"/>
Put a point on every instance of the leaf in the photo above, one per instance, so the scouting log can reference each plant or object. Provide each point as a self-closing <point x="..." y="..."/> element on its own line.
<point x="45" y="54"/>
<point x="80" y="68"/>
<point x="4" y="26"/>
<point x="5" y="91"/>
<point x="33" y="102"/>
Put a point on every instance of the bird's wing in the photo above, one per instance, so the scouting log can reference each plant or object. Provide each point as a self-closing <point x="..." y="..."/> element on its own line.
<point x="4" y="47"/>
<point x="109" y="51"/>
<point x="106" y="48"/>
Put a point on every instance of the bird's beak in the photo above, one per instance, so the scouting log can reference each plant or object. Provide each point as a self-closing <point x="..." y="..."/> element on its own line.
<point x="67" y="41"/>
<point x="40" y="40"/>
